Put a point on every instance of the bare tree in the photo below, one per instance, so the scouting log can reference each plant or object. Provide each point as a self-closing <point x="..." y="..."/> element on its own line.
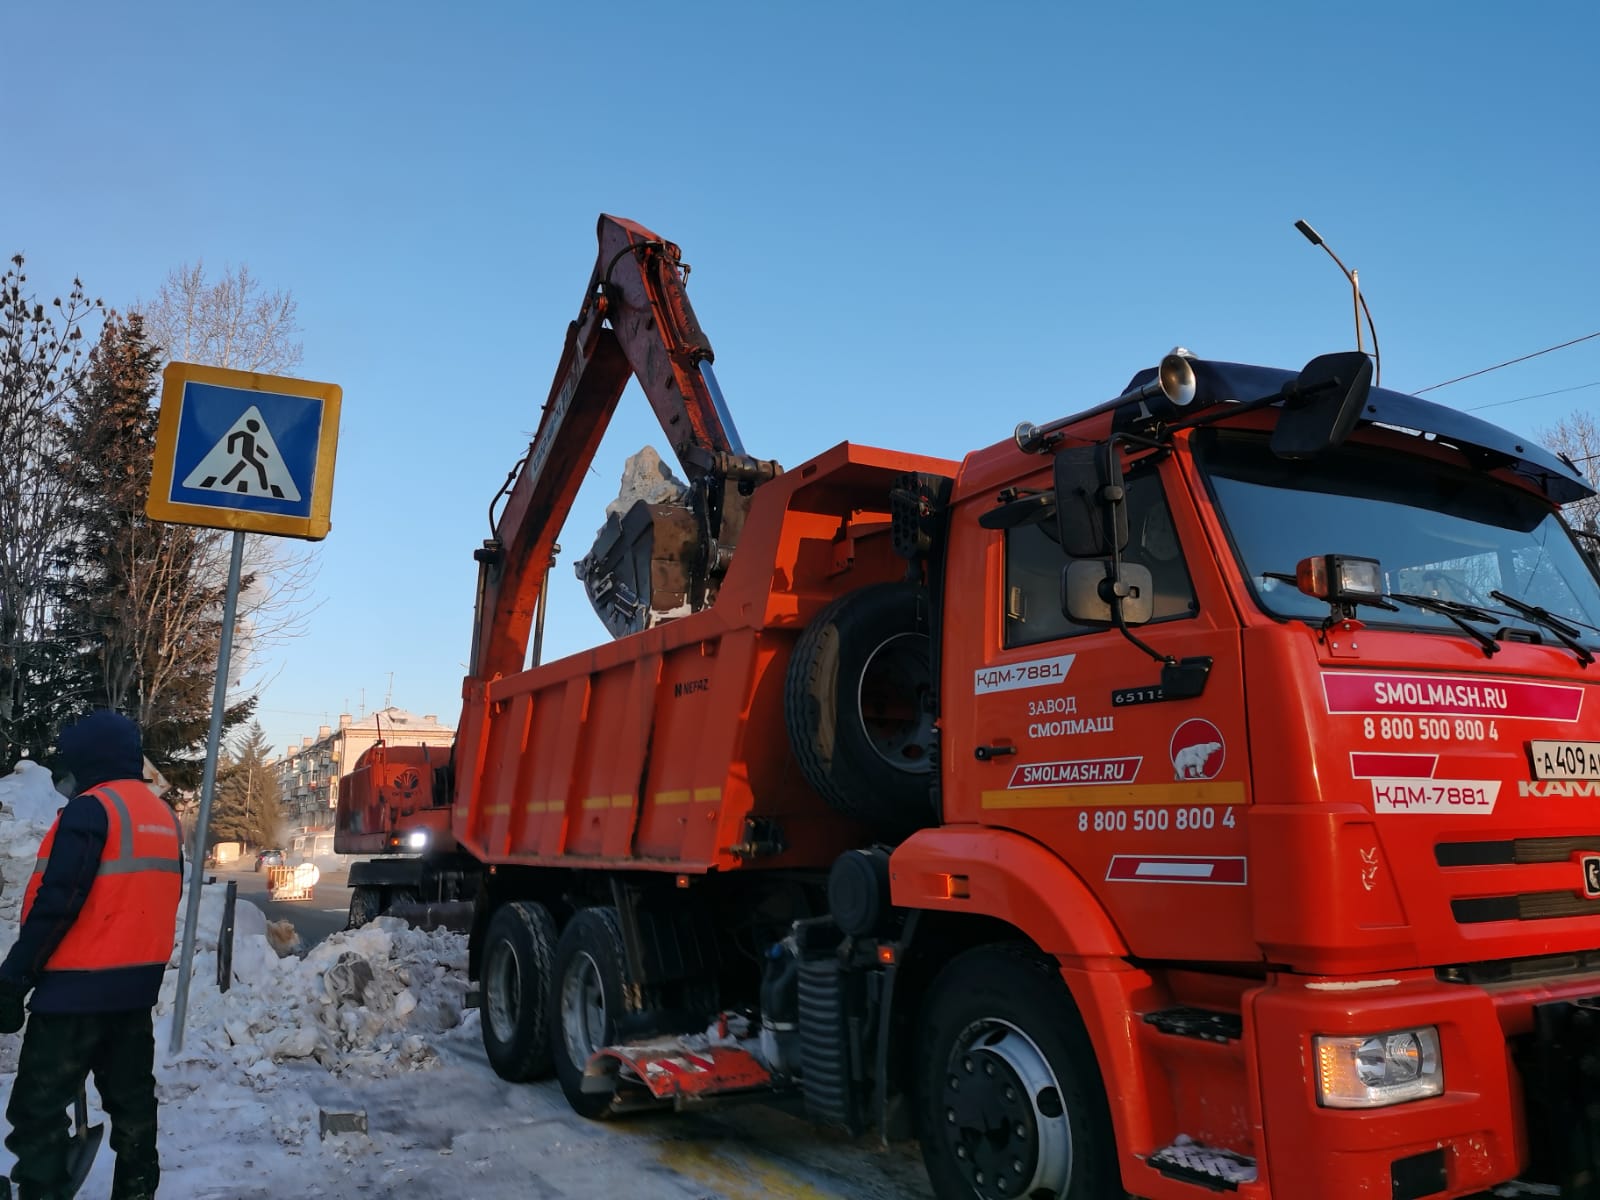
<point x="235" y="322"/>
<point x="232" y="322"/>
<point x="1577" y="436"/>
<point x="41" y="361"/>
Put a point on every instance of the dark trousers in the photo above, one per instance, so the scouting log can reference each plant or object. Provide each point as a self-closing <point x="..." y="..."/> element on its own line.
<point x="59" y="1050"/>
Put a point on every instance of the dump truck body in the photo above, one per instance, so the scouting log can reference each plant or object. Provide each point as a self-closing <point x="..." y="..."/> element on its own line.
<point x="668" y="751"/>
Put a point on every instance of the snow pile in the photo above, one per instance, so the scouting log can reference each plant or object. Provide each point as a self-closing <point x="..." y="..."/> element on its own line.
<point x="364" y="1003"/>
<point x="28" y="806"/>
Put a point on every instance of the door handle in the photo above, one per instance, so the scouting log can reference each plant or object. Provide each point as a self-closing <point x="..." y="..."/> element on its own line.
<point x="985" y="753"/>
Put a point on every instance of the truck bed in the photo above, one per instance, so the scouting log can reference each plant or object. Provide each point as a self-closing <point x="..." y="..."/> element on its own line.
<point x="667" y="750"/>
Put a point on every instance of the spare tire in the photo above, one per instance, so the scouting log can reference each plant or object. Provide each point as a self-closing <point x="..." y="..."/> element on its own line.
<point x="858" y="704"/>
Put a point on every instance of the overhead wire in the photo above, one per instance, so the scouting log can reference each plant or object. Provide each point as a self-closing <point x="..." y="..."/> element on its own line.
<point x="1536" y="396"/>
<point x="1508" y="363"/>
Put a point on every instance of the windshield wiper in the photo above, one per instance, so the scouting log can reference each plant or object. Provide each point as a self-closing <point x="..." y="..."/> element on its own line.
<point x="1458" y="612"/>
<point x="1566" y="634"/>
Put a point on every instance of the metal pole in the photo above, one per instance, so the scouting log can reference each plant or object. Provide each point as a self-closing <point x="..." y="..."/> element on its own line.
<point x="230" y="900"/>
<point x="1355" y="289"/>
<point x="538" y="613"/>
<point x="219" y="697"/>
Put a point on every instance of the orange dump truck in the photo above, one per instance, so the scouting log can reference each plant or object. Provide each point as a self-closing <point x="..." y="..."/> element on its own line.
<point x="1194" y="794"/>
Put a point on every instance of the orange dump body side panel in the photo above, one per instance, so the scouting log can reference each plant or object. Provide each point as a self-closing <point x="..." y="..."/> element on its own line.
<point x="667" y="750"/>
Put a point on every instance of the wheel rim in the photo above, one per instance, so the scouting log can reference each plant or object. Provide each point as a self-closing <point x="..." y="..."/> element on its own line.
<point x="890" y="703"/>
<point x="583" y="1009"/>
<point x="503" y="990"/>
<point x="1004" y="1116"/>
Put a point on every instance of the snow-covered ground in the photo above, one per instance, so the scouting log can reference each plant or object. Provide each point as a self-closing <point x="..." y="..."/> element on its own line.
<point x="374" y="1022"/>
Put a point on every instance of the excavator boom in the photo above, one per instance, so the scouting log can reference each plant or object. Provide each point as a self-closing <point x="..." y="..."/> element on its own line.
<point x="635" y="322"/>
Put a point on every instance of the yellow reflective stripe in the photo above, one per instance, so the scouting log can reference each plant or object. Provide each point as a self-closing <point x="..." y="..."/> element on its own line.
<point x="130" y="866"/>
<point x="125" y="863"/>
<point x="106" y="792"/>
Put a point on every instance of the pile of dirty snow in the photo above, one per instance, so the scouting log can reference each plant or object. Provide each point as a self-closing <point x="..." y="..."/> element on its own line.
<point x="365" y="1003"/>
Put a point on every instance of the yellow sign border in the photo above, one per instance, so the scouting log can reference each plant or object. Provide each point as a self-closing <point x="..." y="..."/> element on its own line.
<point x="160" y="506"/>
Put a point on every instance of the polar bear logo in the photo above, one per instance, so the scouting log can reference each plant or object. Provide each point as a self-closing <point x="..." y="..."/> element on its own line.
<point x="1190" y="762"/>
<point x="1197" y="750"/>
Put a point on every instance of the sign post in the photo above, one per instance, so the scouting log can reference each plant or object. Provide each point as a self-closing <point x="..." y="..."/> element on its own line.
<point x="254" y="454"/>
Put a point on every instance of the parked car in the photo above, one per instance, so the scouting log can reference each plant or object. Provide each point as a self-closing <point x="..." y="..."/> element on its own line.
<point x="269" y="858"/>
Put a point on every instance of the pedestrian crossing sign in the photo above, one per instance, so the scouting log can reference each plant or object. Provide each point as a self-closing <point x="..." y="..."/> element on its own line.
<point x="244" y="451"/>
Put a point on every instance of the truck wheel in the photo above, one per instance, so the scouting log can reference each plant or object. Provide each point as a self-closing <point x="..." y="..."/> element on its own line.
<point x="1009" y="1100"/>
<point x="856" y="701"/>
<point x="518" y="948"/>
<point x="592" y="983"/>
<point x="365" y="904"/>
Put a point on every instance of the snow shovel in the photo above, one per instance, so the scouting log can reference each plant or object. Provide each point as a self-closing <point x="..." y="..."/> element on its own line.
<point x="86" y="1141"/>
<point x="80" y="1154"/>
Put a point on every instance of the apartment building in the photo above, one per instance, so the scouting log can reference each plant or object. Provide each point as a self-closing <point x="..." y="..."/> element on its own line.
<point x="308" y="774"/>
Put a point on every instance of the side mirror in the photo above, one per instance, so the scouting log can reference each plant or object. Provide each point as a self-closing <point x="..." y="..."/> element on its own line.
<point x="1089" y="502"/>
<point x="1089" y="593"/>
<point x="1321" y="406"/>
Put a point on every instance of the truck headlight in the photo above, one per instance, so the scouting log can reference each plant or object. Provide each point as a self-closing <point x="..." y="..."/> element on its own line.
<point x="417" y="839"/>
<point x="1383" y="1069"/>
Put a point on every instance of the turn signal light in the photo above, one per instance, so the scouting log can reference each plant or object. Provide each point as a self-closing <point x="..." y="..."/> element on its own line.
<point x="1339" y="578"/>
<point x="1376" y="1071"/>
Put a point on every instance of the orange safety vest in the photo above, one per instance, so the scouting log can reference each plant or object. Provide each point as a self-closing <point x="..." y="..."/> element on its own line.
<point x="131" y="913"/>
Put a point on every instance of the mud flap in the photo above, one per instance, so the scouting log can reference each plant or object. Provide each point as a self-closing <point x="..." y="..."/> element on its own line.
<point x="1562" y="1083"/>
<point x="668" y="1072"/>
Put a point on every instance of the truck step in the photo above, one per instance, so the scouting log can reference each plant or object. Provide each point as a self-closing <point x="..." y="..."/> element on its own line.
<point x="1199" y="1023"/>
<point x="1209" y="1166"/>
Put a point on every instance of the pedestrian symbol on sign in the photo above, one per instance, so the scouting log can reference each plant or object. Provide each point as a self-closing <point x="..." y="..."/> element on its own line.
<point x="246" y="462"/>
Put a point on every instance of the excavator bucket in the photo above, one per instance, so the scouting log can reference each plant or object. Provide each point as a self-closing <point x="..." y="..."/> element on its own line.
<point x="641" y="569"/>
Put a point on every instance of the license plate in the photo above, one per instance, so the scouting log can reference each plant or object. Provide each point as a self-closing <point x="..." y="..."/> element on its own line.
<point x="1565" y="760"/>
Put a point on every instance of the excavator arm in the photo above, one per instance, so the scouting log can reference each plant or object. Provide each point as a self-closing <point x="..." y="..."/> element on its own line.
<point x="635" y="322"/>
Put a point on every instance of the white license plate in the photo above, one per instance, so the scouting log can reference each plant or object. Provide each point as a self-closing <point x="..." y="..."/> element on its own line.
<point x="1565" y="760"/>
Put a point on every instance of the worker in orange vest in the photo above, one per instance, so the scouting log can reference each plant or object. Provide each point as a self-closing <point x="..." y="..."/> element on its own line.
<point x="97" y="929"/>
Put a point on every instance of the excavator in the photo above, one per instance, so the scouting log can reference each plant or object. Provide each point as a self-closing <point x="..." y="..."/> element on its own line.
<point x="650" y="563"/>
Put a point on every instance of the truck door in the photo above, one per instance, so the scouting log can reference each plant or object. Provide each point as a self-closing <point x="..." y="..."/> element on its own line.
<point x="1069" y="739"/>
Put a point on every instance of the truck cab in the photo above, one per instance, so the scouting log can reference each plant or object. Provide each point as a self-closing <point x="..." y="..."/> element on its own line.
<point x="1335" y="897"/>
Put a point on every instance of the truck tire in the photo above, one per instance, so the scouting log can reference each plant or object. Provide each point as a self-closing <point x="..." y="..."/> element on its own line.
<point x="365" y="904"/>
<point x="518" y="949"/>
<point x="856" y="701"/>
<point x="1009" y="1100"/>
<point x="590" y="992"/>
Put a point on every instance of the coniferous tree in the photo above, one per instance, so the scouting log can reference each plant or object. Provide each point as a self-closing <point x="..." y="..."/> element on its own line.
<point x="148" y="600"/>
<point x="246" y="805"/>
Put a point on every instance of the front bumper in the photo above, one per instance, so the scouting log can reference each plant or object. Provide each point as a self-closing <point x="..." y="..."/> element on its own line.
<point x="1521" y="1100"/>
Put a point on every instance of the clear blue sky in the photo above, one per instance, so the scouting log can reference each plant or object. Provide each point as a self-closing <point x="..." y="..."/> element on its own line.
<point x="911" y="224"/>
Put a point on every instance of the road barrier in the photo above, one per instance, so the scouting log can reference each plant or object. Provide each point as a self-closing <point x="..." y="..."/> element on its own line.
<point x="292" y="883"/>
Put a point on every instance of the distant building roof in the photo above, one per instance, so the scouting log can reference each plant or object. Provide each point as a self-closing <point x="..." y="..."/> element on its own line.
<point x="389" y="719"/>
<point x="383" y="723"/>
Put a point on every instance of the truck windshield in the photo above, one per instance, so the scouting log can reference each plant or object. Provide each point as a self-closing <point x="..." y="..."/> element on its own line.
<point x="1437" y="532"/>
